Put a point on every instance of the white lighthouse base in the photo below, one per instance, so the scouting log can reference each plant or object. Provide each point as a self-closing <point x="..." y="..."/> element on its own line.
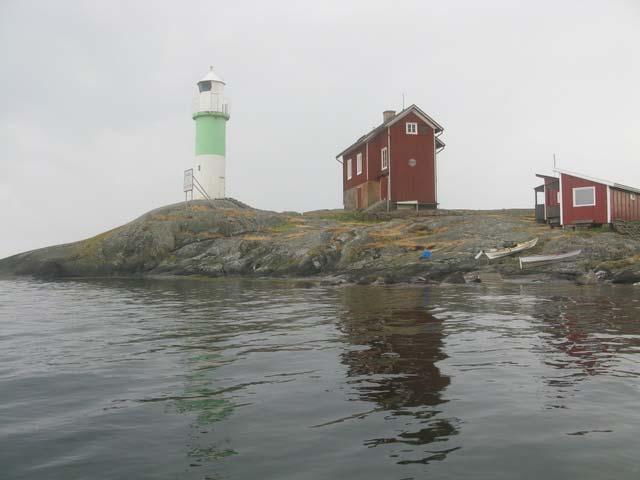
<point x="209" y="171"/>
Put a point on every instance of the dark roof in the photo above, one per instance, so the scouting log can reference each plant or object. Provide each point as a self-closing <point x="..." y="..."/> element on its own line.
<point x="412" y="108"/>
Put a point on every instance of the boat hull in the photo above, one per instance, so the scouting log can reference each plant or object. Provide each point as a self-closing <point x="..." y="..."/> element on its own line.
<point x="504" y="252"/>
<point x="537" y="260"/>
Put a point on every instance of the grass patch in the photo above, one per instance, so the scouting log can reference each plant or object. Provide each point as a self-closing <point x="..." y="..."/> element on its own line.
<point x="91" y="246"/>
<point x="620" y="264"/>
<point x="589" y="232"/>
<point x="286" y="227"/>
<point x="350" y="217"/>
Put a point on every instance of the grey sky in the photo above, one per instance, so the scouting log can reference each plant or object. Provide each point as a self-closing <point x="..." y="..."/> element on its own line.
<point x="95" y="125"/>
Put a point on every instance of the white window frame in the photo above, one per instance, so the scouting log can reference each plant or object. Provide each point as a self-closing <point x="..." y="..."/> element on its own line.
<point x="411" y="128"/>
<point x="349" y="175"/>
<point x="384" y="158"/>
<point x="592" y="188"/>
<point x="359" y="164"/>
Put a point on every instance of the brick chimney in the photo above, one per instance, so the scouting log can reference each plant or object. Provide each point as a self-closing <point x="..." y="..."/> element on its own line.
<point x="388" y="115"/>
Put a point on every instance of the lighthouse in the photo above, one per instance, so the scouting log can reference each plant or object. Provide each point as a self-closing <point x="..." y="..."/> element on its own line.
<point x="210" y="112"/>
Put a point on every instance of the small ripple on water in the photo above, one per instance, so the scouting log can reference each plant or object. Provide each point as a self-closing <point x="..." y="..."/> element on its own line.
<point x="238" y="379"/>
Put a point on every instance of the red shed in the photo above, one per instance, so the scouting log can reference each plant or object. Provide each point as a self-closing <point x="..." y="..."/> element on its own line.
<point x="586" y="199"/>
<point x="396" y="161"/>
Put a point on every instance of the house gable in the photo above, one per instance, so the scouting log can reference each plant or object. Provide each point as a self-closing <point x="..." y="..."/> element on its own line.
<point x="413" y="169"/>
<point x="409" y="142"/>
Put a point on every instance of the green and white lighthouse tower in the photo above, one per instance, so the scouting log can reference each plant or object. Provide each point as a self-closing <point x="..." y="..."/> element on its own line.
<point x="210" y="112"/>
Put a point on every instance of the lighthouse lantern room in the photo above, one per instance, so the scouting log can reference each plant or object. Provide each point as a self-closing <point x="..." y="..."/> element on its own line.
<point x="210" y="112"/>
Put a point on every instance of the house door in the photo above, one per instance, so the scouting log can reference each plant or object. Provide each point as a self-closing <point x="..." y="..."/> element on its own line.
<point x="383" y="188"/>
<point x="359" y="199"/>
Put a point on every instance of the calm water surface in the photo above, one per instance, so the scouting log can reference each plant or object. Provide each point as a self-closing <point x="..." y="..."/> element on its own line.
<point x="242" y="379"/>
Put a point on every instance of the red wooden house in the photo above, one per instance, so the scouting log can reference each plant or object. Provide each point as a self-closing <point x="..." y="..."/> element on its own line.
<point x="396" y="162"/>
<point x="586" y="200"/>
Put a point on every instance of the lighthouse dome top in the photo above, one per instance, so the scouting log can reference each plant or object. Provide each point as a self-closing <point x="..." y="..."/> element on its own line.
<point x="211" y="77"/>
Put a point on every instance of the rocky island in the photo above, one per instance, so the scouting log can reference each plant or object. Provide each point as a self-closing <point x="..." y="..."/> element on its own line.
<point x="227" y="237"/>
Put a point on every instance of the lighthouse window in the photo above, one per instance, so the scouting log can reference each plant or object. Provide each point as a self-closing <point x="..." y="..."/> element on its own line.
<point x="204" y="86"/>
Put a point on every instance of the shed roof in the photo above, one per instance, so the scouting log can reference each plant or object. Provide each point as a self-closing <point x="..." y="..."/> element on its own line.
<point x="609" y="183"/>
<point x="437" y="128"/>
<point x="541" y="175"/>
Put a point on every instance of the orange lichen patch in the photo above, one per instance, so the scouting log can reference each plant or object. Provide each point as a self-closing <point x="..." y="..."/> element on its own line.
<point x="209" y="235"/>
<point x="295" y="235"/>
<point x="257" y="238"/>
<point x="390" y="230"/>
<point x="398" y="234"/>
<point x="413" y="243"/>
<point x="448" y="246"/>
<point x="416" y="243"/>
<point x="339" y="230"/>
<point x="199" y="208"/>
<point x="438" y="230"/>
<point x="239" y="213"/>
<point x="166" y="218"/>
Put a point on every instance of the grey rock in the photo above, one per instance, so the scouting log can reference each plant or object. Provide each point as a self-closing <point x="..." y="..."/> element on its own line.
<point x="227" y="237"/>
<point x="454" y="278"/>
<point x="626" y="276"/>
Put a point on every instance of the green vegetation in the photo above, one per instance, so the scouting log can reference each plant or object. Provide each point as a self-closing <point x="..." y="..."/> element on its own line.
<point x="589" y="232"/>
<point x="286" y="227"/>
<point x="92" y="246"/>
<point x="350" y="217"/>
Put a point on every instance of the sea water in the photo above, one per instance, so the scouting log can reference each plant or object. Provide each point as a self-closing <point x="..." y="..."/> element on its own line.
<point x="240" y="379"/>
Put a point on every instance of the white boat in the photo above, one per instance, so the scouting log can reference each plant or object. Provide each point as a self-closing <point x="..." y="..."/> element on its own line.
<point x="503" y="252"/>
<point x="535" y="260"/>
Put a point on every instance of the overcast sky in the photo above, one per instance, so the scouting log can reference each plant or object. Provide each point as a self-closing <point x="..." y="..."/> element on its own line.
<point x="95" y="124"/>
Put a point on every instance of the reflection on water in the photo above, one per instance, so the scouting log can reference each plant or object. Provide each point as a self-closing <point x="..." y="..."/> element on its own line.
<point x="588" y="335"/>
<point x="397" y="368"/>
<point x="246" y="379"/>
<point x="207" y="404"/>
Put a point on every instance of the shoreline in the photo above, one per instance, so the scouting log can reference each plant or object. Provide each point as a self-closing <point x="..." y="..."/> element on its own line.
<point x="226" y="238"/>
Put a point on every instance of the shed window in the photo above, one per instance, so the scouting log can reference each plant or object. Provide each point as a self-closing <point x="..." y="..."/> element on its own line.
<point x="584" y="196"/>
<point x="384" y="155"/>
<point x="632" y="196"/>
<point x="205" y="86"/>
<point x="359" y="164"/>
<point x="412" y="128"/>
<point x="349" y="175"/>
